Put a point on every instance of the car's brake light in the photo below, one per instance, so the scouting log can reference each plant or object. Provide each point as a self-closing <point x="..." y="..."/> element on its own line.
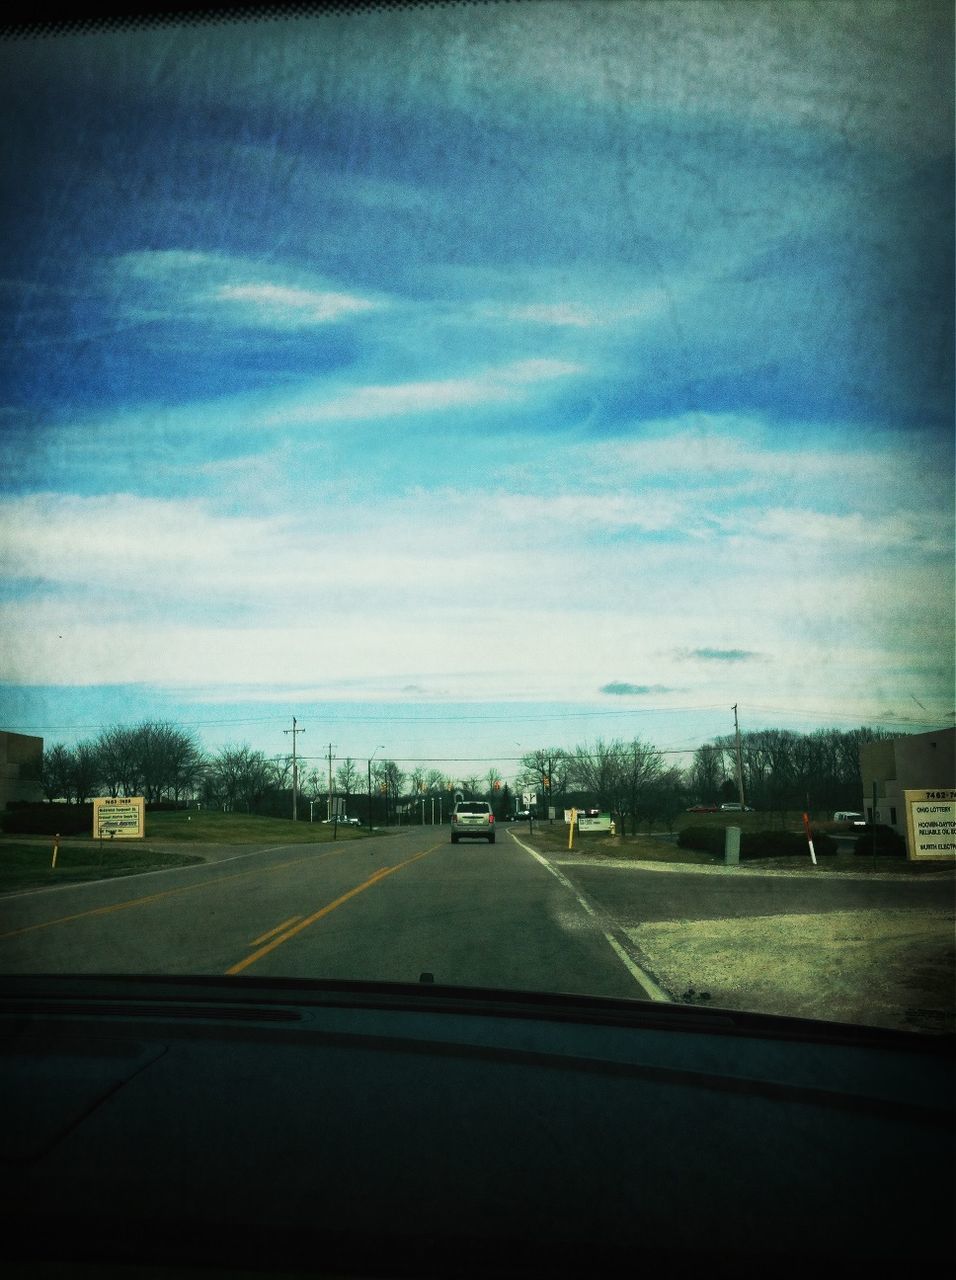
<point x="491" y="818"/>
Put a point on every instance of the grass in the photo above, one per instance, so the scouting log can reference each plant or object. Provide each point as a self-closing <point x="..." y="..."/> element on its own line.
<point x="29" y="866"/>
<point x="25" y="862"/>
<point x="214" y="827"/>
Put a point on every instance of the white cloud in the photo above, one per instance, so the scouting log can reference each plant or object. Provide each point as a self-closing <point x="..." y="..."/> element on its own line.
<point x="643" y="304"/>
<point x="284" y="306"/>
<point x="503" y="385"/>
<point x="233" y="289"/>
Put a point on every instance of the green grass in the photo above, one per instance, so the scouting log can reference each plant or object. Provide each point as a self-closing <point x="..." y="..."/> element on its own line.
<point x="213" y="827"/>
<point x="29" y="866"/>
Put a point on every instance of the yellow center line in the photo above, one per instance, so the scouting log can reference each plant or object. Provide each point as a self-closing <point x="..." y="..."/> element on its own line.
<point x="166" y="893"/>
<point x="278" y="929"/>
<point x="324" y="911"/>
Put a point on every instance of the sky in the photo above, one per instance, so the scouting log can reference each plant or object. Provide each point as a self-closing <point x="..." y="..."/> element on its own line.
<point x="471" y="378"/>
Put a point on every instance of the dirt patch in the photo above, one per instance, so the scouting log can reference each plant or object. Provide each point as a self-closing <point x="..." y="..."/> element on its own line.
<point x="886" y="968"/>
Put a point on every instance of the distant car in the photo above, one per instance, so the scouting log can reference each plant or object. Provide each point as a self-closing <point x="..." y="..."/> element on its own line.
<point x="703" y="808"/>
<point x="735" y="807"/>
<point x="850" y="815"/>
<point x="522" y="815"/>
<point x="342" y="822"/>
<point x="474" y="820"/>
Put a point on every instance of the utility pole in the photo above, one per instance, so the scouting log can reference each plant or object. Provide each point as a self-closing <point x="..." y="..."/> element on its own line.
<point x="740" y="765"/>
<point x="329" y="814"/>
<point x="295" y="775"/>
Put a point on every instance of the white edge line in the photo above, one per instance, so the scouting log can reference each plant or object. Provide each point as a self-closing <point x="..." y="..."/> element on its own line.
<point x="643" y="979"/>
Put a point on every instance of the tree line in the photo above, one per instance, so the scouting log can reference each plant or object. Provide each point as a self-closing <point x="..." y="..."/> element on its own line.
<point x="780" y="769"/>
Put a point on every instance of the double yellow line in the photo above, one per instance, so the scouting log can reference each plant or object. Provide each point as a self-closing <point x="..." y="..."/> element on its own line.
<point x="281" y="933"/>
<point x="272" y="938"/>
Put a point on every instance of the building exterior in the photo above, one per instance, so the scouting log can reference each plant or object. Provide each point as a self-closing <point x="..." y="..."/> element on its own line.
<point x="21" y="761"/>
<point x="893" y="765"/>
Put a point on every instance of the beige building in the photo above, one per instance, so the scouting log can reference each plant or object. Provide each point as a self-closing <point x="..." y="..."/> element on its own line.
<point x="21" y="758"/>
<point x="919" y="761"/>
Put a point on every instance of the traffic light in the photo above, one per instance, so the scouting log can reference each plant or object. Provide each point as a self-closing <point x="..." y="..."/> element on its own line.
<point x="497" y="786"/>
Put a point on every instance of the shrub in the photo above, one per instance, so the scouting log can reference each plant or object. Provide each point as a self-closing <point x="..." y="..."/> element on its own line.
<point x="882" y="840"/>
<point x="48" y="820"/>
<point x="704" y="839"/>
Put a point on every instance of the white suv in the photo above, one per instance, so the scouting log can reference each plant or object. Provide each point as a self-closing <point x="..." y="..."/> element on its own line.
<point x="474" y="820"/>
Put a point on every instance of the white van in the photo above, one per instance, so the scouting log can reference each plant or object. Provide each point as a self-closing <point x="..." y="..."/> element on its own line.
<point x="847" y="815"/>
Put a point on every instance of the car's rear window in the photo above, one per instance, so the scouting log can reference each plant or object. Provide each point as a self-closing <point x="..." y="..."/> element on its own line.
<point x="475" y="806"/>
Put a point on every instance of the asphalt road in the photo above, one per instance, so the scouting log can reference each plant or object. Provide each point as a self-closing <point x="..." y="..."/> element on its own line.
<point x="406" y="903"/>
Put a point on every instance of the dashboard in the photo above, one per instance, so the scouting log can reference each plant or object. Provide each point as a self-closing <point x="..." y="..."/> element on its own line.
<point x="233" y="1126"/>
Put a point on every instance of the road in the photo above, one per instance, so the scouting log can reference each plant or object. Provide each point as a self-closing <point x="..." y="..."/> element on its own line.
<point x="411" y="902"/>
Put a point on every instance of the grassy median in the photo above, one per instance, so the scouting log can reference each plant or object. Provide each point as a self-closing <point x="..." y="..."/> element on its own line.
<point x="30" y="866"/>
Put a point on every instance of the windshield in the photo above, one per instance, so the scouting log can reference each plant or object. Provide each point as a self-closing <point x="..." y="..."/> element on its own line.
<point x="539" y="411"/>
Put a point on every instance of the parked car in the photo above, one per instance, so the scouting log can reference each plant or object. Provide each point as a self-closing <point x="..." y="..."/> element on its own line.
<point x="703" y="808"/>
<point x="850" y="815"/>
<point x="735" y="807"/>
<point x="473" y="819"/>
<point x="522" y="815"/>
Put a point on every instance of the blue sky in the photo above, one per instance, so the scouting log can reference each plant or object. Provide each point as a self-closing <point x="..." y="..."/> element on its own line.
<point x="480" y="375"/>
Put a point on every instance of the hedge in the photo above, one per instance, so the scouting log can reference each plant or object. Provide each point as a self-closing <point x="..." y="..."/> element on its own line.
<point x="889" y="843"/>
<point x="48" y="820"/>
<point x="756" y="844"/>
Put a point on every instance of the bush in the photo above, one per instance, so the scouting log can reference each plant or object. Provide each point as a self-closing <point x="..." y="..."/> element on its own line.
<point x="48" y="820"/>
<point x="705" y="839"/>
<point x="888" y="843"/>
<point x="756" y="844"/>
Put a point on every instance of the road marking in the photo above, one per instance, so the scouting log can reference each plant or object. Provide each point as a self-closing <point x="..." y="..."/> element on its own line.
<point x="263" y="937"/>
<point x="324" y="911"/>
<point x="643" y="980"/>
<point x="166" y="893"/>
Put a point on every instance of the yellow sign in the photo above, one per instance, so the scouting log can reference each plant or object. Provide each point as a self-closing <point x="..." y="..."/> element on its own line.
<point x="930" y="824"/>
<point x="123" y="818"/>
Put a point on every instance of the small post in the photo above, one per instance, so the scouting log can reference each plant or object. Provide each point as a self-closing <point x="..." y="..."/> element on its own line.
<point x="809" y="830"/>
<point x="56" y="845"/>
<point x="574" y="816"/>
<point x="732" y="847"/>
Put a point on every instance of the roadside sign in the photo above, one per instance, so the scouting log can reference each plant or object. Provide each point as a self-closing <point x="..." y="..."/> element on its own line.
<point x="120" y="818"/>
<point x="600" y="823"/>
<point x="930" y="824"/>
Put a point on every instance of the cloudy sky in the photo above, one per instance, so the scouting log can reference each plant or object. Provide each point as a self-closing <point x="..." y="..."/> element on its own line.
<point x="475" y="377"/>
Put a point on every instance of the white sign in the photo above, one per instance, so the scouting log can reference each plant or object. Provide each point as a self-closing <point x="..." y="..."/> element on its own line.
<point x="119" y="819"/>
<point x="930" y="824"/>
<point x="528" y="798"/>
